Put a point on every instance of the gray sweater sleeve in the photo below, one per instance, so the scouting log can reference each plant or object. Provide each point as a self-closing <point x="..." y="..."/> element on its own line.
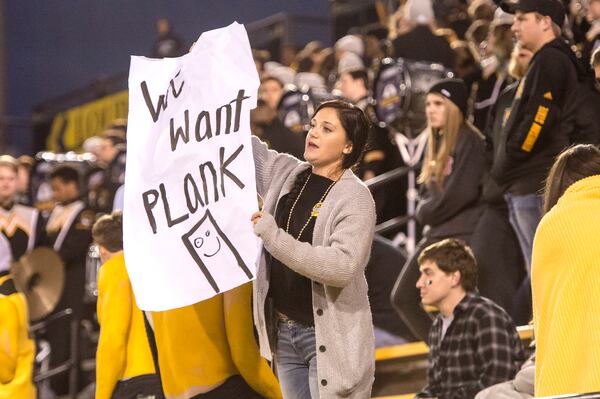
<point x="345" y="254"/>
<point x="268" y="163"/>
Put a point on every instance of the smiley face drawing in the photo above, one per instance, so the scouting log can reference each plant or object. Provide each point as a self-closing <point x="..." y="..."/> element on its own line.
<point x="212" y="251"/>
<point x="199" y="243"/>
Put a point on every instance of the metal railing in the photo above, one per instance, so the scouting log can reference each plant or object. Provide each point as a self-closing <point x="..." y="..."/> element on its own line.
<point x="45" y="373"/>
<point x="393" y="225"/>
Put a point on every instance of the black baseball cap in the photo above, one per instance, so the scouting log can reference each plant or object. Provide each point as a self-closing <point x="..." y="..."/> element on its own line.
<point x="552" y="8"/>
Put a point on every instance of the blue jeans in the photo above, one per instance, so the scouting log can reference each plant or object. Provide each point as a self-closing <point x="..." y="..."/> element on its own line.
<point x="524" y="213"/>
<point x="296" y="360"/>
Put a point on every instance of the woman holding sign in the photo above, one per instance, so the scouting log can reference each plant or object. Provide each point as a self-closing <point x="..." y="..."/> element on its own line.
<point x="317" y="228"/>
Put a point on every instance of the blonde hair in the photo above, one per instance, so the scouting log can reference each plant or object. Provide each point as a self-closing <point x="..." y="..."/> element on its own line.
<point x="516" y="69"/>
<point x="440" y="144"/>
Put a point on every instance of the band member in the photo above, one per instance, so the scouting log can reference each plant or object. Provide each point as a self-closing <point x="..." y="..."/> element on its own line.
<point x="17" y="349"/>
<point x="124" y="364"/>
<point x="208" y="350"/>
<point x="317" y="229"/>
<point x="22" y="225"/>
<point x="473" y="342"/>
<point x="69" y="233"/>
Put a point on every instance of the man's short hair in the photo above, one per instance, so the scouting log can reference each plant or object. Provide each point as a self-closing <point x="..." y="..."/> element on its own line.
<point x="595" y="59"/>
<point x="108" y="231"/>
<point x="10" y="162"/>
<point x="66" y="173"/>
<point x="452" y="255"/>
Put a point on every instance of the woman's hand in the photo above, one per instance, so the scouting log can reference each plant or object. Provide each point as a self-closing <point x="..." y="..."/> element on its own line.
<point x="263" y="223"/>
<point x="256" y="217"/>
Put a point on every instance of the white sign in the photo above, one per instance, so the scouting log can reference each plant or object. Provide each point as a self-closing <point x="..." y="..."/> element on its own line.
<point x="190" y="186"/>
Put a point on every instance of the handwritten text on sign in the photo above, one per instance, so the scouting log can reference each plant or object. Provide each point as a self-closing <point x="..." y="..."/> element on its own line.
<point x="190" y="185"/>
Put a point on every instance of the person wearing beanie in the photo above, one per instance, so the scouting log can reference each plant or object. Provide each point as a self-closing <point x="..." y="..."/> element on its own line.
<point x="17" y="349"/>
<point x="420" y="43"/>
<point x="454" y="90"/>
<point x="124" y="364"/>
<point x="450" y="179"/>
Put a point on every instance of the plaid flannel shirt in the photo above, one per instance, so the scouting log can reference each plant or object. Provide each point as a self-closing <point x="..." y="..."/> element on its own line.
<point x="481" y="348"/>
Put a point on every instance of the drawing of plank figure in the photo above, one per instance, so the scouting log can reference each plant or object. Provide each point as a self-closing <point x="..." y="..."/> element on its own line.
<point x="213" y="251"/>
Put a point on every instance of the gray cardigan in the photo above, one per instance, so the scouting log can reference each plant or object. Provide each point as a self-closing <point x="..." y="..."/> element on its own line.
<point x="335" y="262"/>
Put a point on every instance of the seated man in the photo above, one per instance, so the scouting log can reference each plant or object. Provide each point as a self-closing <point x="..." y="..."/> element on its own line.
<point x="473" y="342"/>
<point x="16" y="347"/>
<point x="124" y="363"/>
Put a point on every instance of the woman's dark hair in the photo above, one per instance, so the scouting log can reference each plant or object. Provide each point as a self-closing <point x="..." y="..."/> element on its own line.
<point x="356" y="125"/>
<point x="108" y="231"/>
<point x="573" y="164"/>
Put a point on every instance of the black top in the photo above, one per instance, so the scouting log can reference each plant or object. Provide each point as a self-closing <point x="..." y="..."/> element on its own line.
<point x="73" y="253"/>
<point x="292" y="292"/>
<point x="535" y="131"/>
<point x="421" y="44"/>
<point x="454" y="209"/>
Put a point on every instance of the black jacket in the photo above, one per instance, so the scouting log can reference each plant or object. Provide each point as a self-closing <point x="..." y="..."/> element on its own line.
<point x="493" y="193"/>
<point x="455" y="208"/>
<point x="534" y="133"/>
<point x="421" y="44"/>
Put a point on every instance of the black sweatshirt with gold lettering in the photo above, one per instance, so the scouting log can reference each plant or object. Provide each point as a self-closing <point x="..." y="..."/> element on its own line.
<point x="534" y="132"/>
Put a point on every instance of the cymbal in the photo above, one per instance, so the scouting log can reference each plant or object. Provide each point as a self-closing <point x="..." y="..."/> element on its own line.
<point x="40" y="276"/>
